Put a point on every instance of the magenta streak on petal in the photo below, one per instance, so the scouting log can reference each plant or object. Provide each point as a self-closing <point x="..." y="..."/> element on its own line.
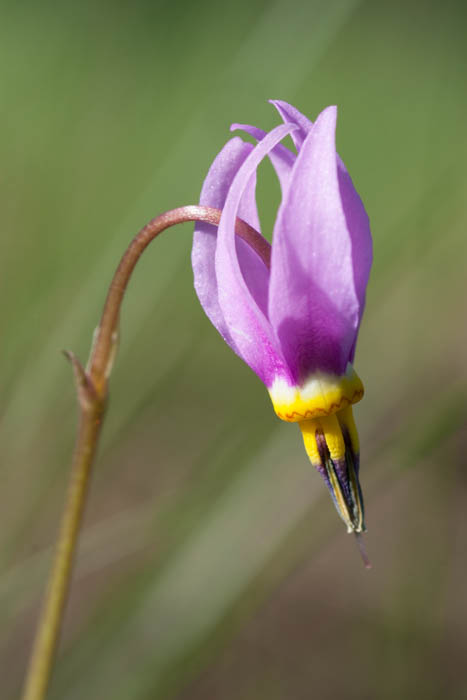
<point x="313" y="303"/>
<point x="247" y="324"/>
<point x="281" y="158"/>
<point x="214" y="193"/>
<point x="291" y="115"/>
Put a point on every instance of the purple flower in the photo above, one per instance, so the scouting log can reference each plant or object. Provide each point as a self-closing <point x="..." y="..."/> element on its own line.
<point x="294" y="324"/>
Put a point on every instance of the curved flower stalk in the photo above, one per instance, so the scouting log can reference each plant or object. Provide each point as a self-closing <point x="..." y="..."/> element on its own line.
<point x="92" y="389"/>
<point x="296" y="322"/>
<point x="290" y="311"/>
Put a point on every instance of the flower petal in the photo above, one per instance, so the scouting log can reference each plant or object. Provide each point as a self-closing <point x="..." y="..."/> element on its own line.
<point x="281" y="158"/>
<point x="247" y="324"/>
<point x="314" y="306"/>
<point x="358" y="226"/>
<point x="291" y="115"/>
<point x="213" y="193"/>
<point x="357" y="219"/>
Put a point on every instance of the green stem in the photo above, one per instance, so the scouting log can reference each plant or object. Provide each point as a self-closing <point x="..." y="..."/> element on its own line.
<point x="92" y="386"/>
<point x="59" y="582"/>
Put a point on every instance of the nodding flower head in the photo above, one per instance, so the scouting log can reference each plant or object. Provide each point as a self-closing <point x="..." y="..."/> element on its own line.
<point x="296" y="322"/>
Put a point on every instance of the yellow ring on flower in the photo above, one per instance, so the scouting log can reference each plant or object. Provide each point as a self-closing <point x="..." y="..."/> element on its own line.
<point x="321" y="395"/>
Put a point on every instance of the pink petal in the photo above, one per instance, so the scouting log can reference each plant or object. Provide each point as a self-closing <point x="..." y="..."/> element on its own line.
<point x="319" y="236"/>
<point x="291" y="115"/>
<point x="281" y="158"/>
<point x="214" y="193"/>
<point x="246" y="322"/>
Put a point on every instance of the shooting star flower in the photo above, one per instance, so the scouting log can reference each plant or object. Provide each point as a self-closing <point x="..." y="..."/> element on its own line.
<point x="296" y="322"/>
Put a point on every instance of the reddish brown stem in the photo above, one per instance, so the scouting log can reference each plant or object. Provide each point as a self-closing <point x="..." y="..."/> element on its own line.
<point x="101" y="354"/>
<point x="91" y="386"/>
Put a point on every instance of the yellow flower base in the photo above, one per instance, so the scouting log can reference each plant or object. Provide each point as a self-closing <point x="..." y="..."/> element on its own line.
<point x="322" y="395"/>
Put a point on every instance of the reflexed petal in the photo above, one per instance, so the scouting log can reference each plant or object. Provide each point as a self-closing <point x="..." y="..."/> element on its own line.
<point x="254" y="272"/>
<point x="281" y="158"/>
<point x="247" y="324"/>
<point x="358" y="226"/>
<point x="313" y="302"/>
<point x="291" y="115"/>
<point x="213" y="193"/>
<point x="356" y="216"/>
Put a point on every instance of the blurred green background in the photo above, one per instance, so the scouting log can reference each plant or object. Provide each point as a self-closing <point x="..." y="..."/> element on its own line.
<point x="212" y="563"/>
